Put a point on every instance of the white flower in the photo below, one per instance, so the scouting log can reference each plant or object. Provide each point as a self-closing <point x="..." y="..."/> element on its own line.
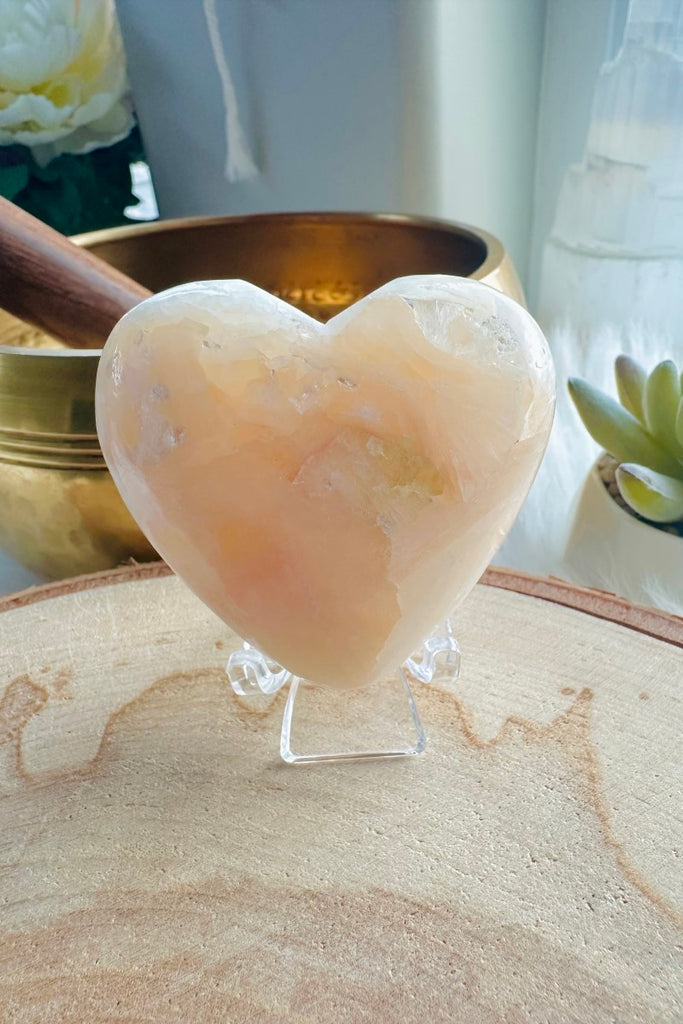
<point x="63" y="85"/>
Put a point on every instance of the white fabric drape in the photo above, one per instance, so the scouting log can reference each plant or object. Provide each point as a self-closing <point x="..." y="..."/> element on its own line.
<point x="239" y="163"/>
<point x="611" y="277"/>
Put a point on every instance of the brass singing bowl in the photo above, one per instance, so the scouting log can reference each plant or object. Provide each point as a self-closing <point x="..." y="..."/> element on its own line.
<point x="60" y="513"/>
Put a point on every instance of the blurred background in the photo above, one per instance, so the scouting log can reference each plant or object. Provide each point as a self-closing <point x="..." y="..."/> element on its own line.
<point x="555" y="125"/>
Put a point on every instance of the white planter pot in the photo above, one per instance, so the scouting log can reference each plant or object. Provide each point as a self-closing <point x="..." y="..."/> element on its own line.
<point x="611" y="550"/>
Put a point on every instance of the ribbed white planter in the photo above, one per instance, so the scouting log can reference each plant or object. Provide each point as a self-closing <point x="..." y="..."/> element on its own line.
<point x="610" y="549"/>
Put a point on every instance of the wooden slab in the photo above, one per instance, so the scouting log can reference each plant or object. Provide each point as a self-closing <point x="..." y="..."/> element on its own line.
<point x="158" y="863"/>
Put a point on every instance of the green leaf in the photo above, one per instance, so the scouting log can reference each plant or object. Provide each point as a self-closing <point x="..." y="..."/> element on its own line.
<point x="660" y="402"/>
<point x="617" y="431"/>
<point x="631" y="378"/>
<point x="679" y="423"/>
<point x="81" y="192"/>
<point x="12" y="179"/>
<point x="652" y="495"/>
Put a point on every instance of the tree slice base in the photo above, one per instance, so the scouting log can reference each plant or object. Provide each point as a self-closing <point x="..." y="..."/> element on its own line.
<point x="159" y="863"/>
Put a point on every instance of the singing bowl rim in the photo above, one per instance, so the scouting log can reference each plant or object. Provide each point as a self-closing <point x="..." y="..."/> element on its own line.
<point x="495" y="251"/>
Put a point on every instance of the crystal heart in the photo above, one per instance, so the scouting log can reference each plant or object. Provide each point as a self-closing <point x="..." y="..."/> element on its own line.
<point x="330" y="491"/>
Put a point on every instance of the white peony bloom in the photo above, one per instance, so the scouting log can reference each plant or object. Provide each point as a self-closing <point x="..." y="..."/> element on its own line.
<point x="63" y="86"/>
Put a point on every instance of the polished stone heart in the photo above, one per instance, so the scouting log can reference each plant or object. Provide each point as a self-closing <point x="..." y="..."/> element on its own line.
<point x="331" y="492"/>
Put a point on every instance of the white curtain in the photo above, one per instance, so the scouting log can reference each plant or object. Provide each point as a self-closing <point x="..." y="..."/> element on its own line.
<point x="607" y="263"/>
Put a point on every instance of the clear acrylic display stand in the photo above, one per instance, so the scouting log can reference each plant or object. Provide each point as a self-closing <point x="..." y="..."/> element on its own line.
<point x="384" y="721"/>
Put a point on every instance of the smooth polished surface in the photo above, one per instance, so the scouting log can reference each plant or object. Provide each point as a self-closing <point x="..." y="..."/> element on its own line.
<point x="321" y="262"/>
<point x="58" y="521"/>
<point x="59" y="287"/>
<point x="331" y="491"/>
<point x="60" y="512"/>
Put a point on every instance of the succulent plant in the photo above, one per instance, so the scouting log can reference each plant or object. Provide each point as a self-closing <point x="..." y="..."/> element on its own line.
<point x="644" y="434"/>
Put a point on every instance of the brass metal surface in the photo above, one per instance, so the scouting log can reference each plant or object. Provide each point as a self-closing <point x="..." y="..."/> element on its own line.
<point x="318" y="262"/>
<point x="60" y="514"/>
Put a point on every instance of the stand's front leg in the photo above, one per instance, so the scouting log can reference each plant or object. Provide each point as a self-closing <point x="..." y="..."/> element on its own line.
<point x="378" y="721"/>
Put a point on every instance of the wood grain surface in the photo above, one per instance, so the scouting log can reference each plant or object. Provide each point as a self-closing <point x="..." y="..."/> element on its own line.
<point x="55" y="285"/>
<point x="158" y="863"/>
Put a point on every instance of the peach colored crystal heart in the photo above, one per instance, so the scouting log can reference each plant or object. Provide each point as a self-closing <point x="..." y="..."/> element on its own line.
<point x="331" y="491"/>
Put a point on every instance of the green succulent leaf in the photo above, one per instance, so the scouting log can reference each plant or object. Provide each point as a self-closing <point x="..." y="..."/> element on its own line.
<point x="653" y="496"/>
<point x="631" y="379"/>
<point x="617" y="431"/>
<point x="679" y="423"/>
<point x="660" y="402"/>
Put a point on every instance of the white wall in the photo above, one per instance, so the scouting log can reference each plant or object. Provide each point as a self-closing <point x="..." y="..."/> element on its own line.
<point x="488" y="58"/>
<point x="325" y="90"/>
<point x="422" y="106"/>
